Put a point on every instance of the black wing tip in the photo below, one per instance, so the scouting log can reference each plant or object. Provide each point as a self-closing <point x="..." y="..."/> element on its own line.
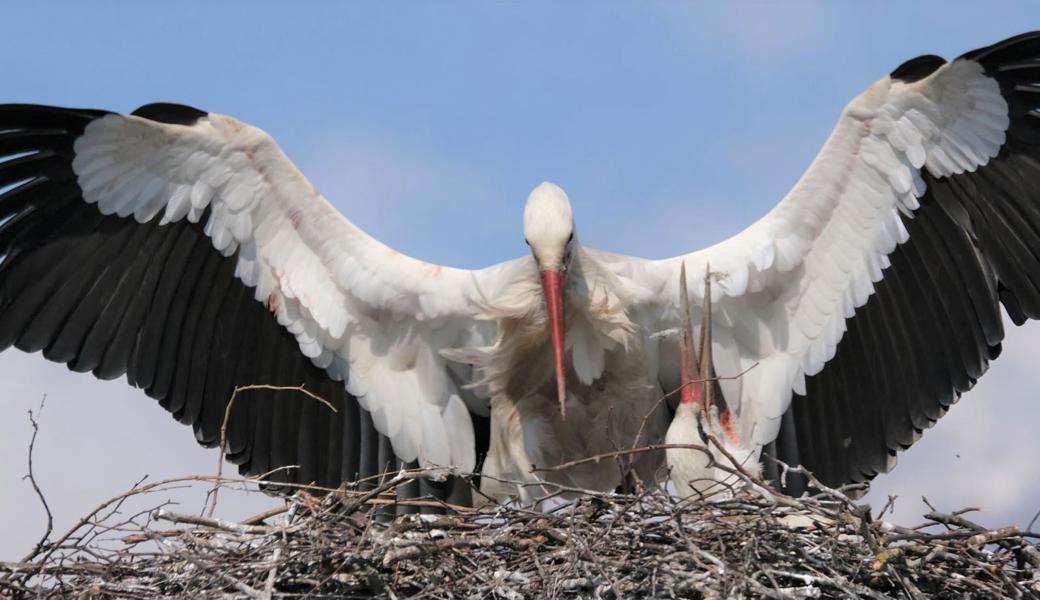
<point x="1006" y="49"/>
<point x="1023" y="45"/>
<point x="163" y="112"/>
<point x="917" y="68"/>
<point x="36" y="116"/>
<point x="28" y="107"/>
<point x="173" y="114"/>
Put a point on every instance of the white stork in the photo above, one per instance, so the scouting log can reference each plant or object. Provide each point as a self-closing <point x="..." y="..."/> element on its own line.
<point x="183" y="249"/>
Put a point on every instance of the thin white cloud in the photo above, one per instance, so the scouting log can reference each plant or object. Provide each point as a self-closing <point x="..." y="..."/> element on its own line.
<point x="762" y="33"/>
<point x="983" y="452"/>
<point x="96" y="440"/>
<point x="418" y="199"/>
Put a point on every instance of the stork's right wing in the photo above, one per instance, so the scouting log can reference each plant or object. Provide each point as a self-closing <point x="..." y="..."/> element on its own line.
<point x="184" y="249"/>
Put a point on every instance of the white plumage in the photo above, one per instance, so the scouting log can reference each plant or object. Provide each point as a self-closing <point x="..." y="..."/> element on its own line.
<point x="424" y="348"/>
<point x="819" y="252"/>
<point x="326" y="281"/>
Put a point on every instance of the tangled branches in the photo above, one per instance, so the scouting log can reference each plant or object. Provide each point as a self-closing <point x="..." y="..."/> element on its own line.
<point x="752" y="544"/>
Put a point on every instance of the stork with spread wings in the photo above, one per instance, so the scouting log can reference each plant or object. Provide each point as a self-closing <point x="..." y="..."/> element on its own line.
<point x="184" y="250"/>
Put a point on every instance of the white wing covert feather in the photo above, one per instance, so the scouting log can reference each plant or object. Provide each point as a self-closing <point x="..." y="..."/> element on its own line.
<point x="784" y="287"/>
<point x="368" y="315"/>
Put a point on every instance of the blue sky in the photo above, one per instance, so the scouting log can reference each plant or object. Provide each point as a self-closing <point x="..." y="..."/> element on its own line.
<point x="671" y="125"/>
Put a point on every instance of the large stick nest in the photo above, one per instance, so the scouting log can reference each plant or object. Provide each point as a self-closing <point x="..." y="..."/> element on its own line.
<point x="753" y="544"/>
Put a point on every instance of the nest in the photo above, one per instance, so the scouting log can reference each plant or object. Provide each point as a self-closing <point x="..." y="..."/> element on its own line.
<point x="746" y="540"/>
<point x="751" y="542"/>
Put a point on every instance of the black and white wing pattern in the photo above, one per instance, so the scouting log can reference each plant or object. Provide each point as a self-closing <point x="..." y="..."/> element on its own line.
<point x="870" y="296"/>
<point x="183" y="249"/>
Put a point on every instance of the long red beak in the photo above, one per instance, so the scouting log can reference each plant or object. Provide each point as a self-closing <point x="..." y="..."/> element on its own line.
<point x="553" y="284"/>
<point x="689" y="392"/>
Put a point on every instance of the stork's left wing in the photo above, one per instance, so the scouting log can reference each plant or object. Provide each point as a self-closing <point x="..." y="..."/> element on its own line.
<point x="872" y="292"/>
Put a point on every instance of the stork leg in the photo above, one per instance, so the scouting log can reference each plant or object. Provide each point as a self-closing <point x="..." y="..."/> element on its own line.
<point x="629" y="484"/>
<point x="369" y="457"/>
<point x="408" y="491"/>
<point x="388" y="466"/>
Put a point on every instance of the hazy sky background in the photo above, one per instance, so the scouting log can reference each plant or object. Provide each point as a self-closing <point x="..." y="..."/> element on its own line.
<point x="670" y="125"/>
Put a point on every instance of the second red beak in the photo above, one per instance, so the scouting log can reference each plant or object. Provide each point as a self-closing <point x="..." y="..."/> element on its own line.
<point x="553" y="284"/>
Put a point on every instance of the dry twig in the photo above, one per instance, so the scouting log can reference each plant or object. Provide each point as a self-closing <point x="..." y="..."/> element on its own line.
<point x="31" y="476"/>
<point x="227" y="417"/>
<point x="753" y="543"/>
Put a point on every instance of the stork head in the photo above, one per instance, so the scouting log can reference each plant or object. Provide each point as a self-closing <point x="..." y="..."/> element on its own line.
<point x="549" y="231"/>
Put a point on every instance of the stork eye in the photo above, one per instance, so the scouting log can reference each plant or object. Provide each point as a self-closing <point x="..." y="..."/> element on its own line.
<point x="571" y="238"/>
<point x="527" y="242"/>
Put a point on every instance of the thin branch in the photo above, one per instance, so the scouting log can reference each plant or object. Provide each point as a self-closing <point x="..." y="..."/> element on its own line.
<point x="227" y="417"/>
<point x="31" y="476"/>
<point x="748" y="544"/>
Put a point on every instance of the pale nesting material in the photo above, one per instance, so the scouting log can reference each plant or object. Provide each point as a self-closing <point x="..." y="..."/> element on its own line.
<point x="752" y="545"/>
